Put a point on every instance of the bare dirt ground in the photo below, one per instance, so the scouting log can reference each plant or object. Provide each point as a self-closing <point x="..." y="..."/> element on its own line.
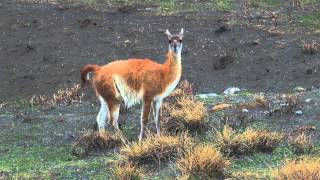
<point x="43" y="46"/>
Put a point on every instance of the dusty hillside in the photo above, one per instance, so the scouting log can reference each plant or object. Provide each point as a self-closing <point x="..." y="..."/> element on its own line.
<point x="43" y="46"/>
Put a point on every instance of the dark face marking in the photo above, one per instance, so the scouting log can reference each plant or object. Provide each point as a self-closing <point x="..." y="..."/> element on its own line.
<point x="175" y="41"/>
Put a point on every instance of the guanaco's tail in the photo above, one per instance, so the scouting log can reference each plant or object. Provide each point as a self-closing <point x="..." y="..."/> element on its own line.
<point x="85" y="70"/>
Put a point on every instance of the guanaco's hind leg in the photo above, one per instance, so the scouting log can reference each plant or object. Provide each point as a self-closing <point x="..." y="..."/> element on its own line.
<point x="144" y="116"/>
<point x="102" y="115"/>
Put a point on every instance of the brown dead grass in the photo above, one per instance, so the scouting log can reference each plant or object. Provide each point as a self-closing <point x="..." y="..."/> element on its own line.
<point x="203" y="162"/>
<point x="95" y="141"/>
<point x="301" y="144"/>
<point x="156" y="149"/>
<point x="66" y="96"/>
<point x="181" y="112"/>
<point x="309" y="48"/>
<point x="232" y="143"/>
<point x="302" y="169"/>
<point x="127" y="171"/>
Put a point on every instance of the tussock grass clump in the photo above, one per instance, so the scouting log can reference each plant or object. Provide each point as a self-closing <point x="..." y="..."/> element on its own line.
<point x="203" y="162"/>
<point x="95" y="141"/>
<point x="302" y="169"/>
<point x="233" y="143"/>
<point x="301" y="144"/>
<point x="155" y="149"/>
<point x="66" y="96"/>
<point x="181" y="112"/>
<point x="309" y="48"/>
<point x="291" y="104"/>
<point x="187" y="114"/>
<point x="127" y="172"/>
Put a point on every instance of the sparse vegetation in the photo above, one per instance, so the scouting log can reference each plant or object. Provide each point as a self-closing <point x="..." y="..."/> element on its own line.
<point x="66" y="96"/>
<point x="301" y="144"/>
<point x="301" y="169"/>
<point x="203" y="162"/>
<point x="265" y="135"/>
<point x="156" y="149"/>
<point x="127" y="172"/>
<point x="232" y="143"/>
<point x="95" y="141"/>
<point x="309" y="48"/>
<point x="182" y="112"/>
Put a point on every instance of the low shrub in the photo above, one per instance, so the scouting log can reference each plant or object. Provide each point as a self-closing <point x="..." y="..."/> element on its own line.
<point x="182" y="112"/>
<point x="127" y="172"/>
<point x="301" y="144"/>
<point x="203" y="162"/>
<point x="232" y="143"/>
<point x="301" y="169"/>
<point x="155" y="148"/>
<point x="66" y="96"/>
<point x="186" y="114"/>
<point x="95" y="141"/>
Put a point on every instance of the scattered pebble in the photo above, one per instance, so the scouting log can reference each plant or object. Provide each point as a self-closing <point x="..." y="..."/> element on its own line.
<point x="308" y="100"/>
<point x="299" y="112"/>
<point x="231" y="90"/>
<point x="245" y="110"/>
<point x="204" y="96"/>
<point x="299" y="89"/>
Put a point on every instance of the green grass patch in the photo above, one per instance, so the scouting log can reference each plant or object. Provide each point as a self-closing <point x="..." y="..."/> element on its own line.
<point x="310" y="21"/>
<point x="261" y="163"/>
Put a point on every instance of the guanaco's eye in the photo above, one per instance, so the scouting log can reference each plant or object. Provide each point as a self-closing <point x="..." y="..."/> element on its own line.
<point x="169" y="41"/>
<point x="180" y="40"/>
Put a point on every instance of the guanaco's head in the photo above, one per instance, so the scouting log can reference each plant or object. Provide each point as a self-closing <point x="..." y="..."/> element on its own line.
<point x="175" y="42"/>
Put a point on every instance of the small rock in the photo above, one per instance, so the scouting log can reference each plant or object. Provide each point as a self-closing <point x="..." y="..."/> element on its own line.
<point x="308" y="100"/>
<point x="256" y="42"/>
<point x="204" y="96"/>
<point x="245" y="110"/>
<point x="299" y="112"/>
<point x="231" y="90"/>
<point x="299" y="89"/>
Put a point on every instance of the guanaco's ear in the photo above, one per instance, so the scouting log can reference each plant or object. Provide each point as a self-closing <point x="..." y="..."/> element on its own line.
<point x="181" y="33"/>
<point x="168" y="34"/>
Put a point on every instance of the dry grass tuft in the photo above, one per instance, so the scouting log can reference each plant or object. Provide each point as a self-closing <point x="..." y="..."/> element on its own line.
<point x="291" y="104"/>
<point x="301" y="144"/>
<point x="127" y="172"/>
<point x="181" y="112"/>
<point x="186" y="115"/>
<point x="95" y="141"/>
<point x="184" y="90"/>
<point x="309" y="48"/>
<point x="203" y="162"/>
<point x="156" y="148"/>
<point x="66" y="96"/>
<point x="302" y="169"/>
<point x="231" y="143"/>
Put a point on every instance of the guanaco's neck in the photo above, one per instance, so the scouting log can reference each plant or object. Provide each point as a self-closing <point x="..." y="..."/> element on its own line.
<point x="173" y="59"/>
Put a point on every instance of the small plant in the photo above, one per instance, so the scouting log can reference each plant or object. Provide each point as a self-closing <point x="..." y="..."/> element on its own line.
<point x="232" y="143"/>
<point x="181" y="112"/>
<point x="186" y="115"/>
<point x="127" y="172"/>
<point x="309" y="48"/>
<point x="66" y="96"/>
<point x="155" y="149"/>
<point x="95" y="141"/>
<point x="291" y="104"/>
<point x="203" y="162"/>
<point x="301" y="144"/>
<point x="302" y="169"/>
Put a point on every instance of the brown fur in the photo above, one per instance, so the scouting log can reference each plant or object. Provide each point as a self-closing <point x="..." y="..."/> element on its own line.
<point x="139" y="74"/>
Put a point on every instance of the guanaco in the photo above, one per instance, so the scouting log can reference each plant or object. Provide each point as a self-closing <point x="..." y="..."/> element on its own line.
<point x="133" y="81"/>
